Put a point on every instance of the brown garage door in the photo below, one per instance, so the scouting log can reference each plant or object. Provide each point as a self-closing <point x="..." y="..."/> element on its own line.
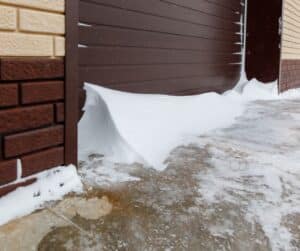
<point x="160" y="46"/>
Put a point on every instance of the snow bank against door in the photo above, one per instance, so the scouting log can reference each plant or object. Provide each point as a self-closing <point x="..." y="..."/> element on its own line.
<point x="128" y="128"/>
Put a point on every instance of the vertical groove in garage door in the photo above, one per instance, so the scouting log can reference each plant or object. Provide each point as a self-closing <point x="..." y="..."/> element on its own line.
<point x="160" y="46"/>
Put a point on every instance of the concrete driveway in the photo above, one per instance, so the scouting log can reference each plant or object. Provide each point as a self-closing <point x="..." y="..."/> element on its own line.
<point x="233" y="189"/>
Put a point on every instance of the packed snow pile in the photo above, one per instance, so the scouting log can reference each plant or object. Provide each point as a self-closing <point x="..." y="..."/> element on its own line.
<point x="254" y="90"/>
<point x="50" y="185"/>
<point x="143" y="128"/>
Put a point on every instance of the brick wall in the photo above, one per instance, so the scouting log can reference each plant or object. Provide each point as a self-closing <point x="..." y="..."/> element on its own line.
<point x="32" y="28"/>
<point x="32" y="49"/>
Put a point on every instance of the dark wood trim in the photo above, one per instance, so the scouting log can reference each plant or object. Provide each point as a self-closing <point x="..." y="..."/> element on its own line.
<point x="71" y="92"/>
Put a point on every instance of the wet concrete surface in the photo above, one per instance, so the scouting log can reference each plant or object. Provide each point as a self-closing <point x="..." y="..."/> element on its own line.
<point x="233" y="189"/>
<point x="25" y="233"/>
<point x="163" y="211"/>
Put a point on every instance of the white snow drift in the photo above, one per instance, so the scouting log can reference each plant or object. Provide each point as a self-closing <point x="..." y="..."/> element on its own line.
<point x="127" y="127"/>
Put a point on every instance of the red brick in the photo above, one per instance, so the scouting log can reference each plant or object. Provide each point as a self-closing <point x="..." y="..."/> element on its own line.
<point x="18" y="119"/>
<point x="10" y="188"/>
<point x="59" y="112"/>
<point x="8" y="95"/>
<point x="41" y="161"/>
<point x="27" y="142"/>
<point x="30" y="68"/>
<point x="290" y="75"/>
<point x="8" y="171"/>
<point x="42" y="92"/>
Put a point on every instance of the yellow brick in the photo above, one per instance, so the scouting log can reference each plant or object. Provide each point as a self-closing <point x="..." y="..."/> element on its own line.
<point x="16" y="44"/>
<point x="51" y="5"/>
<point x="8" y="18"/>
<point x="40" y="21"/>
<point x="59" y="46"/>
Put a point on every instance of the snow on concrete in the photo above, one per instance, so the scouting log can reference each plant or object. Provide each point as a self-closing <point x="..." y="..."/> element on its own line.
<point x="255" y="165"/>
<point x="100" y="172"/>
<point x="50" y="185"/>
<point x="128" y="128"/>
<point x="252" y="165"/>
